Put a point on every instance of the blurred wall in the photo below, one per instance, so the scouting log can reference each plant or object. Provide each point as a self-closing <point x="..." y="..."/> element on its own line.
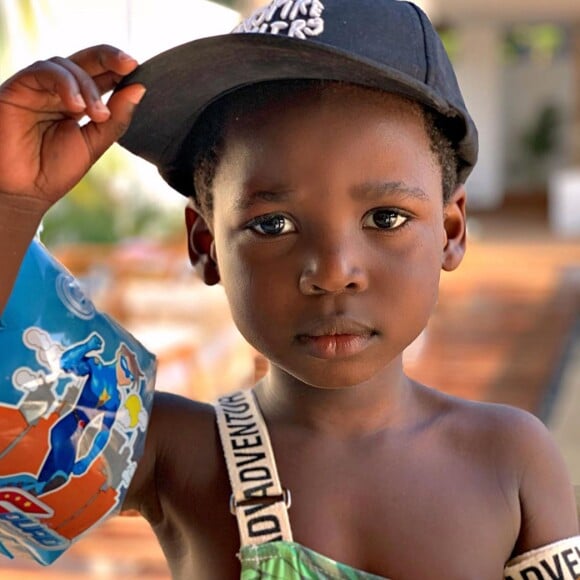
<point x="523" y="98"/>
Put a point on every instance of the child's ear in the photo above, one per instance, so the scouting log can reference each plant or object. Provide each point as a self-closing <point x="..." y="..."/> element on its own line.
<point x="454" y="223"/>
<point x="200" y="245"/>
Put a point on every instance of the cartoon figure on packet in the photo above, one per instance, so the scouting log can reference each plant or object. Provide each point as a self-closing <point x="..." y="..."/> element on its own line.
<point x="82" y="432"/>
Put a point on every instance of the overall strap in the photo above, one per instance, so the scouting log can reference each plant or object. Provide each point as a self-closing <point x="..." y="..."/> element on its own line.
<point x="556" y="560"/>
<point x="258" y="500"/>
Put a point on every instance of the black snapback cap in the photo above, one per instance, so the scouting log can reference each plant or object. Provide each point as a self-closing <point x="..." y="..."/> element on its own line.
<point x="384" y="44"/>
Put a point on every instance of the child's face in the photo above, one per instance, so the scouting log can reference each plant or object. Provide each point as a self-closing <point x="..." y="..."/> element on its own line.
<point x="330" y="232"/>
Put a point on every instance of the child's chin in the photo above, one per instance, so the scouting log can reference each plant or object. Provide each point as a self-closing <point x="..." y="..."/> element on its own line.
<point x="338" y="380"/>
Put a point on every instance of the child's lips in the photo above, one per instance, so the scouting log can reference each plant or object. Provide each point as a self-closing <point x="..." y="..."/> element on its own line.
<point x="335" y="345"/>
<point x="335" y="337"/>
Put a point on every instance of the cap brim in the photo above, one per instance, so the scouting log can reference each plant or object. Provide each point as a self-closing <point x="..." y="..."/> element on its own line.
<point x="184" y="80"/>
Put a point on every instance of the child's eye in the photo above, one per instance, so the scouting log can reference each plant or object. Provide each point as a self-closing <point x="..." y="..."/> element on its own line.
<point x="384" y="219"/>
<point x="272" y="225"/>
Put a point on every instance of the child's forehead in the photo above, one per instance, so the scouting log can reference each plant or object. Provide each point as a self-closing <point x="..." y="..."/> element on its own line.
<point x="271" y="103"/>
<point x="288" y="144"/>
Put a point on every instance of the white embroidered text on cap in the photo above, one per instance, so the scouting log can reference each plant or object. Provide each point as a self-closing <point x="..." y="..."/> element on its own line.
<point x="294" y="18"/>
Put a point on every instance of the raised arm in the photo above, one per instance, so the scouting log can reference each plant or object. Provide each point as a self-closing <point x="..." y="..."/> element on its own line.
<point x="548" y="506"/>
<point x="44" y="151"/>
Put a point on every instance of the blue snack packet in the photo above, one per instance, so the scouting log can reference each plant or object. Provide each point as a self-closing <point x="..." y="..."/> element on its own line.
<point x="76" y="391"/>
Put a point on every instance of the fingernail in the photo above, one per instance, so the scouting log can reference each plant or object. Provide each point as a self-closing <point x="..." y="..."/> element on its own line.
<point x="78" y="99"/>
<point x="99" y="105"/>
<point x="137" y="94"/>
<point x="125" y="56"/>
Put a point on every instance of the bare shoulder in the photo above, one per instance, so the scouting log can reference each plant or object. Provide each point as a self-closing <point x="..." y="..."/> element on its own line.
<point x="182" y="445"/>
<point x="171" y="412"/>
<point x="523" y="453"/>
<point x="187" y="443"/>
<point x="517" y="432"/>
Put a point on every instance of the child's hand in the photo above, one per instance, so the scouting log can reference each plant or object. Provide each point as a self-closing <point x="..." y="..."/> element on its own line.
<point x="44" y="152"/>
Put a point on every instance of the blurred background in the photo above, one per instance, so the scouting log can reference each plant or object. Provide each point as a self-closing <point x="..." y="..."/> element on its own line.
<point x="507" y="326"/>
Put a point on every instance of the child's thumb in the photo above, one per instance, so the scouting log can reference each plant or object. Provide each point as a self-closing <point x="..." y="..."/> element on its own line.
<point x="122" y="105"/>
<point x="131" y="93"/>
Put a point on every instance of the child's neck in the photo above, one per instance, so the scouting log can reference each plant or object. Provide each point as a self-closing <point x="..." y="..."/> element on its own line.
<point x="357" y="411"/>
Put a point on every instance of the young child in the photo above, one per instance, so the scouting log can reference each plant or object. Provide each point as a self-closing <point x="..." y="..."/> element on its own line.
<point x="324" y="146"/>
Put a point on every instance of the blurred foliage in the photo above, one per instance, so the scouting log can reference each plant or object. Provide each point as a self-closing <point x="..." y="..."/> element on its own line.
<point x="542" y="137"/>
<point x="535" y="41"/>
<point x="109" y="205"/>
<point x="450" y="40"/>
<point x="539" y="143"/>
<point x="522" y="41"/>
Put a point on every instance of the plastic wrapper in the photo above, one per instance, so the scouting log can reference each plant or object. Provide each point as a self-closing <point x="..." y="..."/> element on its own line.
<point x="76" y="391"/>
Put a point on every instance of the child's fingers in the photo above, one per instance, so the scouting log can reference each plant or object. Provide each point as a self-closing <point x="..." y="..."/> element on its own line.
<point x="67" y="85"/>
<point x="107" y="81"/>
<point x="87" y="88"/>
<point x="100" y="136"/>
<point x="105" y="66"/>
<point x="44" y="86"/>
<point x="103" y="58"/>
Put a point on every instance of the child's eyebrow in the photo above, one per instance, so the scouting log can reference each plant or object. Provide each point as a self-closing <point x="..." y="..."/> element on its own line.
<point x="377" y="189"/>
<point x="367" y="191"/>
<point x="248" y="200"/>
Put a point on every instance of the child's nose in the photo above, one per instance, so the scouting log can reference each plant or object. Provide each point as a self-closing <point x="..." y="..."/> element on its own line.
<point x="333" y="266"/>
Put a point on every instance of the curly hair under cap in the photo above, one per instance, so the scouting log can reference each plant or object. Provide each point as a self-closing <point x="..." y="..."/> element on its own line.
<point x="206" y="142"/>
